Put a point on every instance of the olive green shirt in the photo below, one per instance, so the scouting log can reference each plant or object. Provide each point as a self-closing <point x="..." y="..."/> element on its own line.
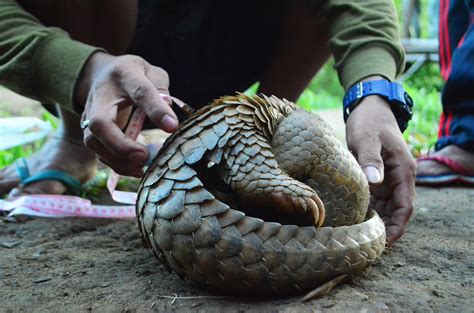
<point x="44" y="63"/>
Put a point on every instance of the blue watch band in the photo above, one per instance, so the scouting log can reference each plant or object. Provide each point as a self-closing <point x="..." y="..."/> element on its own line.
<point x="392" y="92"/>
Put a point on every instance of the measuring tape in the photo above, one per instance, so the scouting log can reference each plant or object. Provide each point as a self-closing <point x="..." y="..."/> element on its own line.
<point x="64" y="206"/>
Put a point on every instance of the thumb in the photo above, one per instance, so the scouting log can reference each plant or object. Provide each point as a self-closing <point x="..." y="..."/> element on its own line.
<point x="370" y="160"/>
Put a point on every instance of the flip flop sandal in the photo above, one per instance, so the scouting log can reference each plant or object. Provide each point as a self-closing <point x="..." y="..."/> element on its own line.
<point x="458" y="175"/>
<point x="71" y="183"/>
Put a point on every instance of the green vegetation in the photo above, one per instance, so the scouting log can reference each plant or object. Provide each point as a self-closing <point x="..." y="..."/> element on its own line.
<point x="9" y="156"/>
<point x="324" y="92"/>
<point x="425" y="88"/>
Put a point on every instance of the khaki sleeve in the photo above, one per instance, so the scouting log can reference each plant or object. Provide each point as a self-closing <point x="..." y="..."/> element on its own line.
<point x="38" y="62"/>
<point x="364" y="39"/>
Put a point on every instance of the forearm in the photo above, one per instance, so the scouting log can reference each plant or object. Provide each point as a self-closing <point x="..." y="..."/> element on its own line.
<point x="364" y="39"/>
<point x="39" y="62"/>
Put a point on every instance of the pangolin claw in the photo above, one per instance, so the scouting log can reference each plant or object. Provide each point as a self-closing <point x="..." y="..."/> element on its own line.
<point x="316" y="206"/>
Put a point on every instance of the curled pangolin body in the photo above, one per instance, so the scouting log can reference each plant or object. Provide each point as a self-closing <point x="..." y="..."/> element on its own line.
<point x="274" y="158"/>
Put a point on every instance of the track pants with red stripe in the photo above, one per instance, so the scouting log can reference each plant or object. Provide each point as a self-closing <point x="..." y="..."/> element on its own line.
<point x="456" y="37"/>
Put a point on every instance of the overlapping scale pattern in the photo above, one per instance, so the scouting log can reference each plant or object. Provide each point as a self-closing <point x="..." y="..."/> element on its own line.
<point x="261" y="146"/>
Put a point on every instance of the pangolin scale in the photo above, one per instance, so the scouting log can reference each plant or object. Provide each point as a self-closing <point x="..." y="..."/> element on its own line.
<point x="276" y="160"/>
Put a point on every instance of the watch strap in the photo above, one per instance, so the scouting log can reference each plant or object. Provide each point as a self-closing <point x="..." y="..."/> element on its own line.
<point x="392" y="92"/>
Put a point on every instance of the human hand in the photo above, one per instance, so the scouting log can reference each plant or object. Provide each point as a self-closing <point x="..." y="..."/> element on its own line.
<point x="110" y="86"/>
<point x="374" y="137"/>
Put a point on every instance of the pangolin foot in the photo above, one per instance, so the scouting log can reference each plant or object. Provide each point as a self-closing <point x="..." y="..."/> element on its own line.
<point x="291" y="203"/>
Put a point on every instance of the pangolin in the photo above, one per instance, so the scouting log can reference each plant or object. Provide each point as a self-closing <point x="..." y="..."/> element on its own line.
<point x="254" y="195"/>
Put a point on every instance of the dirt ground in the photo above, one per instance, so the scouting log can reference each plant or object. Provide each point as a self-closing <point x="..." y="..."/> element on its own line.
<point x="87" y="265"/>
<point x="61" y="265"/>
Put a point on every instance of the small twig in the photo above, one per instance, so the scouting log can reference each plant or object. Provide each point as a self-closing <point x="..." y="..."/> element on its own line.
<point x="42" y="280"/>
<point x="10" y="244"/>
<point x="324" y="289"/>
<point x="175" y="297"/>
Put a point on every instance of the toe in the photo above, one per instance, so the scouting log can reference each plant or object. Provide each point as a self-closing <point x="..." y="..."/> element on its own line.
<point x="7" y="184"/>
<point x="41" y="187"/>
<point x="429" y="167"/>
<point x="8" y="179"/>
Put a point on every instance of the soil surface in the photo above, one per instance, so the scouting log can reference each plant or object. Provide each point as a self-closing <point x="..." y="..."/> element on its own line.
<point x="62" y="265"/>
<point x="87" y="265"/>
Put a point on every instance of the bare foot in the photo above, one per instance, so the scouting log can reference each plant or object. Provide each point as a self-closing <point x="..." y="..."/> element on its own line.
<point x="58" y="153"/>
<point x="460" y="156"/>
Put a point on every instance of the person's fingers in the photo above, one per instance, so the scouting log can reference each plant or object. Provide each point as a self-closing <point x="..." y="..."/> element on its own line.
<point x="376" y="141"/>
<point x="394" y="217"/>
<point x="368" y="153"/>
<point x="144" y="94"/>
<point x="125" y="81"/>
<point x="402" y="199"/>
<point x="108" y="141"/>
<point x="117" y="143"/>
<point x="370" y="128"/>
<point x="159" y="78"/>
<point x="122" y="168"/>
<point x="397" y="224"/>
<point x="396" y="195"/>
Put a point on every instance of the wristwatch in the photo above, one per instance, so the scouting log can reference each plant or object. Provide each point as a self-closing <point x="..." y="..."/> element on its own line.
<point x="400" y="102"/>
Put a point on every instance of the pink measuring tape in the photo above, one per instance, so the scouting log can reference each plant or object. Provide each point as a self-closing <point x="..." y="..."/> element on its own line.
<point x="64" y="206"/>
